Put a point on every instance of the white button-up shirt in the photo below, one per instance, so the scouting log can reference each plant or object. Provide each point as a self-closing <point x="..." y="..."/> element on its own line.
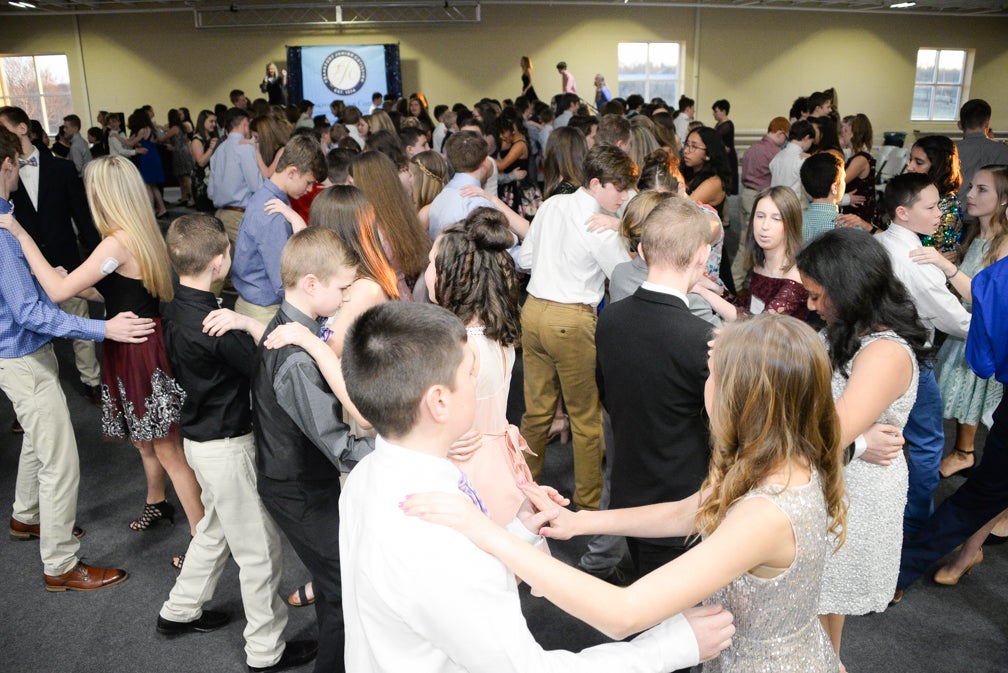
<point x="422" y="598"/>
<point x="936" y="305"/>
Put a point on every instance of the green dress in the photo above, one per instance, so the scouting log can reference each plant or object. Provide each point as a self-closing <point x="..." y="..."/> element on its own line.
<point x="966" y="397"/>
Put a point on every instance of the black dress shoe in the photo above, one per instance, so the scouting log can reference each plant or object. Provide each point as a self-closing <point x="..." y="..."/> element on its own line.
<point x="208" y="621"/>
<point x="93" y="393"/>
<point x="297" y="653"/>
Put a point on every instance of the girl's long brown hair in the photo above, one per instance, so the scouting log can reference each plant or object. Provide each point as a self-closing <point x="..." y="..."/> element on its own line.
<point x="773" y="406"/>
<point x="345" y="210"/>
<point x="377" y="176"/>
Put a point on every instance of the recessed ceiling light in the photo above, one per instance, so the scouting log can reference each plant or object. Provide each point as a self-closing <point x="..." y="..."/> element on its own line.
<point x="902" y="5"/>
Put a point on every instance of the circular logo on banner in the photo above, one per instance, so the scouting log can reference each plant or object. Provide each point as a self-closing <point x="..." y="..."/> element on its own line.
<point x="344" y="72"/>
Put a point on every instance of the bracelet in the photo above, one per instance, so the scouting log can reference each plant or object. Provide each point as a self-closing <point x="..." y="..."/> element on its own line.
<point x="954" y="273"/>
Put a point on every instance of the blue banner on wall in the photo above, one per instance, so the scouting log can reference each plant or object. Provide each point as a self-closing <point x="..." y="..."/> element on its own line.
<point x="350" y="73"/>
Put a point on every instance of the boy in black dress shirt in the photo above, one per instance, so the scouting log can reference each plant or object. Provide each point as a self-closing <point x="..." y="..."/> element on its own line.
<point x="301" y="440"/>
<point x="216" y="425"/>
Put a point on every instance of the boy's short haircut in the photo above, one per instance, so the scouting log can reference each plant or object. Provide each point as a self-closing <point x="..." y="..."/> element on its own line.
<point x="685" y="102"/>
<point x="73" y="120"/>
<point x="351" y="115"/>
<point x="235" y="116"/>
<point x="449" y="118"/>
<point x="235" y="96"/>
<point x="376" y="96"/>
<point x="393" y="353"/>
<point x="466" y="151"/>
<point x="801" y="129"/>
<point x="583" y="123"/>
<point x="817" y="99"/>
<point x="613" y="107"/>
<point x="673" y="232"/>
<point x="305" y="105"/>
<point x="10" y="145"/>
<point x="304" y="152"/>
<point x="95" y="132"/>
<point x="721" y="104"/>
<point x="562" y="65"/>
<point x="317" y="251"/>
<point x="408" y="136"/>
<point x="779" y="124"/>
<point x="975" y="114"/>
<point x="193" y="241"/>
<point x="798" y="107"/>
<point x="474" y="124"/>
<point x="904" y="190"/>
<point x="439" y="110"/>
<point x="613" y="129"/>
<point x="567" y="100"/>
<point x="634" y="101"/>
<point x="820" y="172"/>
<point x="609" y="164"/>
<point x="338" y="163"/>
<point x="15" y="116"/>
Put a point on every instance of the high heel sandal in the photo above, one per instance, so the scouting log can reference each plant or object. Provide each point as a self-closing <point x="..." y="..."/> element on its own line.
<point x="947" y="579"/>
<point x="963" y="471"/>
<point x="178" y="561"/>
<point x="152" y="513"/>
<point x="559" y="428"/>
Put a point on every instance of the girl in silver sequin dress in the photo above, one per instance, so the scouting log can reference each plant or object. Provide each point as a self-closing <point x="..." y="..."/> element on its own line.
<point x="876" y="342"/>
<point x="770" y="512"/>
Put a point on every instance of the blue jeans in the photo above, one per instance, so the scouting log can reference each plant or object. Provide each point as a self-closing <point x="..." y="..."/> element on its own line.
<point x="925" y="439"/>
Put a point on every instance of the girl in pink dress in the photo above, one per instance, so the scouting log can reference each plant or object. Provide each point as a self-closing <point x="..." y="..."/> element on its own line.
<point x="472" y="275"/>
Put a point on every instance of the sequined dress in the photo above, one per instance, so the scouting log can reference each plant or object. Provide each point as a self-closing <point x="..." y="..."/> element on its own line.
<point x="776" y="619"/>
<point x="782" y="295"/>
<point x="140" y="399"/>
<point x="861" y="576"/>
<point x="950" y="230"/>
<point x="965" y="396"/>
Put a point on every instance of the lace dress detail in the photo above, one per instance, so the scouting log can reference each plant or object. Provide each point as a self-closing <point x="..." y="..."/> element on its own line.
<point x="776" y="619"/>
<point x="140" y="399"/>
<point x="861" y="576"/>
<point x="965" y="396"/>
<point x="783" y="295"/>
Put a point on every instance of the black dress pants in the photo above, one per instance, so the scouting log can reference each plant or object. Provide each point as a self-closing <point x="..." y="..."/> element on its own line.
<point x="308" y="514"/>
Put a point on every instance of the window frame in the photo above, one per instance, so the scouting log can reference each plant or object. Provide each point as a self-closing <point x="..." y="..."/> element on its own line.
<point x="44" y="99"/>
<point x="934" y="84"/>
<point x="647" y="79"/>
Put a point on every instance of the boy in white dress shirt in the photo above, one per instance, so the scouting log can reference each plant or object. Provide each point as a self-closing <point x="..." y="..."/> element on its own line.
<point x="911" y="201"/>
<point x="422" y="597"/>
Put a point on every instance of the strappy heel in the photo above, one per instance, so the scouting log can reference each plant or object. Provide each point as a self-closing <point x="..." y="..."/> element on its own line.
<point x="152" y="513"/>
<point x="962" y="472"/>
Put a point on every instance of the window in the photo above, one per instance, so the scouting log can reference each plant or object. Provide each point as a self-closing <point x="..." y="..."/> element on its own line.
<point x="38" y="84"/>
<point x="941" y="84"/>
<point x="651" y="69"/>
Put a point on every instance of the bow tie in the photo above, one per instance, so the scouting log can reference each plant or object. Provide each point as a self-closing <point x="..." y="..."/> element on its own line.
<point x="33" y="161"/>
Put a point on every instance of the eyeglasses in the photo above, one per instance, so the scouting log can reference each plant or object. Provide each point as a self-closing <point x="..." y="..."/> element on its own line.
<point x="693" y="147"/>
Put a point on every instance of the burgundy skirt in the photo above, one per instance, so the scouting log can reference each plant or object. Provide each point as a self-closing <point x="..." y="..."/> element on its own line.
<point x="140" y="399"/>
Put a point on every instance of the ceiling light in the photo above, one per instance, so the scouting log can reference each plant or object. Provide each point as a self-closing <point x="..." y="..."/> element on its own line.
<point x="21" y="5"/>
<point x="902" y="5"/>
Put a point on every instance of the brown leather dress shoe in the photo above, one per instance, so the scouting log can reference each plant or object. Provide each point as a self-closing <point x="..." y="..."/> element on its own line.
<point x="83" y="577"/>
<point x="25" y="531"/>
